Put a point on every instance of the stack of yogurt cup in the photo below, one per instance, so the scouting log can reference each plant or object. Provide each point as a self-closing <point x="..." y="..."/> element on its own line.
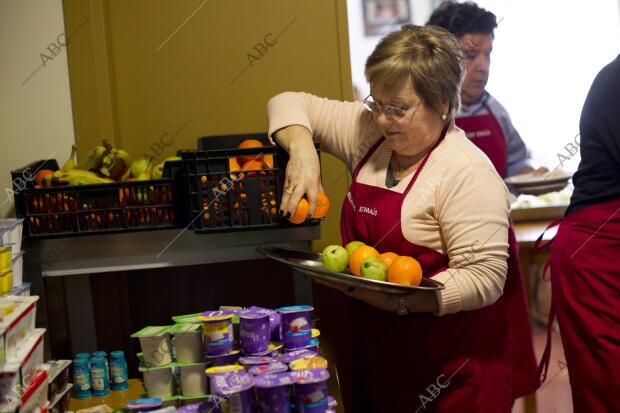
<point x="172" y="363"/>
<point x="237" y="360"/>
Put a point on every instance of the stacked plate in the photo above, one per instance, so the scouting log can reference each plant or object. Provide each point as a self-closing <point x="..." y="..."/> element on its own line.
<point x="539" y="184"/>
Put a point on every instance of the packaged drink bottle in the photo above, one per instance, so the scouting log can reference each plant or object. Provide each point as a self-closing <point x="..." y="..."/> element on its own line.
<point x="99" y="376"/>
<point x="118" y="371"/>
<point x="81" y="378"/>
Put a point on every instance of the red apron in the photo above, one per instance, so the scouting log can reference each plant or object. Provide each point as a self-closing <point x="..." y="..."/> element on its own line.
<point x="419" y="362"/>
<point x="585" y="279"/>
<point x="485" y="132"/>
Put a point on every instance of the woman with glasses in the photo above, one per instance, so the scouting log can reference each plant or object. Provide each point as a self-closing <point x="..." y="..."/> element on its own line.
<point x="433" y="196"/>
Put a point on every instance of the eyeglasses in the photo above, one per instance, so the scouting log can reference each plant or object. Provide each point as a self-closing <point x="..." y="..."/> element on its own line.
<point x="389" y="110"/>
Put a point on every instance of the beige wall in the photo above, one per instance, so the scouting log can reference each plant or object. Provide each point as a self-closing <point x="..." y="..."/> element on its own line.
<point x="144" y="68"/>
<point x="35" y="108"/>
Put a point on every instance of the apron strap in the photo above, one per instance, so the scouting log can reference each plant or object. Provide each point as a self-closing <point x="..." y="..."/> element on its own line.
<point x="543" y="367"/>
<point x="538" y="245"/>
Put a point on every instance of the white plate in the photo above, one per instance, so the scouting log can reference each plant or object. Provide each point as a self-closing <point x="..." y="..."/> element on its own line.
<point x="541" y="189"/>
<point x="531" y="180"/>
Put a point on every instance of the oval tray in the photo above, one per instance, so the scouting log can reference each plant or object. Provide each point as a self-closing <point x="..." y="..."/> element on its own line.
<point x="309" y="263"/>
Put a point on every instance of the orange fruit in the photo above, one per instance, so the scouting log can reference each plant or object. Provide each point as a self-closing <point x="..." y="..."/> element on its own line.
<point x="250" y="143"/>
<point x="252" y="166"/>
<point x="405" y="270"/>
<point x="43" y="177"/>
<point x="301" y="213"/>
<point x="387" y="258"/>
<point x="268" y="161"/>
<point x="322" y="206"/>
<point x="359" y="255"/>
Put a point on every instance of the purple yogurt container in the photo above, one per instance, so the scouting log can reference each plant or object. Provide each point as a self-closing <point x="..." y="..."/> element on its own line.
<point x="250" y="361"/>
<point x="310" y="390"/>
<point x="296" y="326"/>
<point x="312" y="345"/>
<point x="273" y="392"/>
<point x="212" y="405"/>
<point x="271" y="368"/>
<point x="254" y="331"/>
<point x="273" y="350"/>
<point x="274" y="321"/>
<point x="224" y="359"/>
<point x="291" y="356"/>
<point x="217" y="332"/>
<point x="237" y="390"/>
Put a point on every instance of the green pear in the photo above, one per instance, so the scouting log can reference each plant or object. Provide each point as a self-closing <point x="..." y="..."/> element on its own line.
<point x="158" y="171"/>
<point x="141" y="169"/>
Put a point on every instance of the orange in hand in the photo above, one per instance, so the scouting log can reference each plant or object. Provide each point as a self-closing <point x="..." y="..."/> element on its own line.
<point x="358" y="256"/>
<point x="250" y="143"/>
<point x="406" y="271"/>
<point x="301" y="213"/>
<point x="322" y="206"/>
<point x="387" y="258"/>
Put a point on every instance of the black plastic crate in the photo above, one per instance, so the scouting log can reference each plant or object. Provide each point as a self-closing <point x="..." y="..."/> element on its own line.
<point x="102" y="208"/>
<point x="221" y="199"/>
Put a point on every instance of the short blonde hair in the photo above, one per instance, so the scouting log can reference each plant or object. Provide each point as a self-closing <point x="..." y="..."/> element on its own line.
<point x="433" y="58"/>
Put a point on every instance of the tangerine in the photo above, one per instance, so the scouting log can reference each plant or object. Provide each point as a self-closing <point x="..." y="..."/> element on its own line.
<point x="252" y="166"/>
<point x="406" y="271"/>
<point x="387" y="258"/>
<point x="268" y="161"/>
<point x="250" y="143"/>
<point x="301" y="213"/>
<point x="43" y="177"/>
<point x="322" y="206"/>
<point x="359" y="255"/>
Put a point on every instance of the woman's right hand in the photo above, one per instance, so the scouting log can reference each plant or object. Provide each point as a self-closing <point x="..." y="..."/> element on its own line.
<point x="303" y="171"/>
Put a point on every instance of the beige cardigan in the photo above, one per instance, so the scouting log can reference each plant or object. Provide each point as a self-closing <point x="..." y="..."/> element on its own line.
<point x="459" y="205"/>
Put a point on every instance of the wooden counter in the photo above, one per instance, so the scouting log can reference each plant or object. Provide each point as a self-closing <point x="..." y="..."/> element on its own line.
<point x="115" y="400"/>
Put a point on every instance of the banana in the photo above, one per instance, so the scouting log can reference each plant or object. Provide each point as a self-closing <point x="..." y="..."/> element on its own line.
<point x="115" y="165"/>
<point x="70" y="163"/>
<point x="78" y="177"/>
<point x="94" y="157"/>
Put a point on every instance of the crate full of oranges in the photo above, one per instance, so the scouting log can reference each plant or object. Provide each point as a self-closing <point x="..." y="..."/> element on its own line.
<point x="235" y="182"/>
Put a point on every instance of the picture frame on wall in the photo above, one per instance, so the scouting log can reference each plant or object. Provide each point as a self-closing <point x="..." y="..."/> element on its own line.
<point x="383" y="16"/>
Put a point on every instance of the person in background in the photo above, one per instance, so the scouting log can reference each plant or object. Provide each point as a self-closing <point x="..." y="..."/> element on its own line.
<point x="585" y="275"/>
<point x="482" y="117"/>
<point x="420" y="188"/>
<point x="488" y="126"/>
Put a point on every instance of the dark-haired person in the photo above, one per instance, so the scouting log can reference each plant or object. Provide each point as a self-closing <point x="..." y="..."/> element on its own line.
<point x="482" y="117"/>
<point x="488" y="126"/>
<point x="585" y="273"/>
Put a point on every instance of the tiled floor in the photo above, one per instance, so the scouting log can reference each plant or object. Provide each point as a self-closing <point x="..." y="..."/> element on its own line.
<point x="554" y="396"/>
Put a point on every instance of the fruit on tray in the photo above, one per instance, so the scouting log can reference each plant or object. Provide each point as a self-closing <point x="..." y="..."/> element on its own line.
<point x="374" y="269"/>
<point x="358" y="256"/>
<point x="335" y="258"/>
<point x="351" y="246"/>
<point x="365" y="261"/>
<point x="405" y="270"/>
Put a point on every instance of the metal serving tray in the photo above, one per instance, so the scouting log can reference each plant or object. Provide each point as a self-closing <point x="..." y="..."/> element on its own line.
<point x="309" y="263"/>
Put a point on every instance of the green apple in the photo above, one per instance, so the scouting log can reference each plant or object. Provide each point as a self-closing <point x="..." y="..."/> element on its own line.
<point x="351" y="246"/>
<point x="157" y="171"/>
<point x="374" y="269"/>
<point x="140" y="168"/>
<point x="335" y="258"/>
